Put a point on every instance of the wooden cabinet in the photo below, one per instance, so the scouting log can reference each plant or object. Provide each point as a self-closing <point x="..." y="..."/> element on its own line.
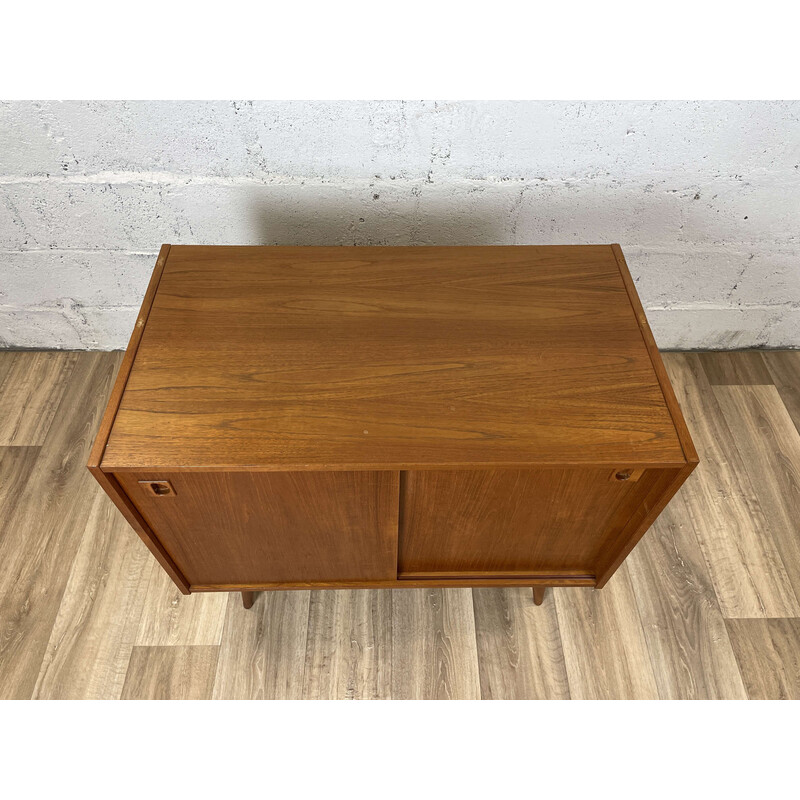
<point x="288" y="417"/>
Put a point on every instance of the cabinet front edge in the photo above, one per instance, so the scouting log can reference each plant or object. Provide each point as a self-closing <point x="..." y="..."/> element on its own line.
<point x="394" y="467"/>
<point x="114" y="490"/>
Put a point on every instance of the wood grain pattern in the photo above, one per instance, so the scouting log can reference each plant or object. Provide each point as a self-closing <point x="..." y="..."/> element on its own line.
<point x="95" y="630"/>
<point x="263" y="649"/>
<point x="16" y="466"/>
<point x="171" y="673"/>
<point x="519" y="646"/>
<point x="605" y="650"/>
<point x="687" y="445"/>
<point x="349" y="645"/>
<point x="433" y="645"/>
<point x="768" y="651"/>
<point x="38" y="540"/>
<point x="749" y="577"/>
<point x="31" y="390"/>
<point x="7" y="358"/>
<point x="228" y="527"/>
<point x="270" y="399"/>
<point x="681" y="618"/>
<point x="784" y="368"/>
<point x="443" y="581"/>
<point x="125" y="366"/>
<point x="171" y="618"/>
<point x="745" y="368"/>
<point x="513" y="521"/>
<point x="121" y="500"/>
<point x="320" y="358"/>
<point x="660" y="490"/>
<point x="770" y="448"/>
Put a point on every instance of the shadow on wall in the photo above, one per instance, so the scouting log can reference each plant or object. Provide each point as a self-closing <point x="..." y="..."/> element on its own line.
<point x="347" y="220"/>
<point x="470" y="213"/>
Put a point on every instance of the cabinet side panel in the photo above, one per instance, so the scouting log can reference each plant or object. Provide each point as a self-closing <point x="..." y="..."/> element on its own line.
<point x="687" y="445"/>
<point x="667" y="484"/>
<point x="104" y="431"/>
<point x="114" y="490"/>
<point x="237" y="528"/>
<point x="515" y="521"/>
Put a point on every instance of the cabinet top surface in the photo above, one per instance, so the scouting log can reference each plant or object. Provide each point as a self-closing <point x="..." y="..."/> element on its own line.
<point x="391" y="357"/>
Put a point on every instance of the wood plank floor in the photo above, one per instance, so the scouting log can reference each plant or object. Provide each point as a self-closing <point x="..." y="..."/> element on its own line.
<point x="706" y="607"/>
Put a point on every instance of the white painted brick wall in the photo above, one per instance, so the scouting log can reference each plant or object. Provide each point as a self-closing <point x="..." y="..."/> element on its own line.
<point x="703" y="197"/>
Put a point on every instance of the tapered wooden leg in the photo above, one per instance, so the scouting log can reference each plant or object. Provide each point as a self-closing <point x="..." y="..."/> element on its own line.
<point x="538" y="595"/>
<point x="248" y="598"/>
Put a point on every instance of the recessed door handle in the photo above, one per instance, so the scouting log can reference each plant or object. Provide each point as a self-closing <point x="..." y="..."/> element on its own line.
<point x="626" y="474"/>
<point x="158" y="488"/>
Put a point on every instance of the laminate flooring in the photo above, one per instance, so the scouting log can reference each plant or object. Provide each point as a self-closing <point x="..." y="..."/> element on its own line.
<point x="707" y="606"/>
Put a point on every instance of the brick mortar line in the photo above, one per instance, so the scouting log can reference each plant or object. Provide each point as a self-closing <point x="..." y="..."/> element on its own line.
<point x="445" y="179"/>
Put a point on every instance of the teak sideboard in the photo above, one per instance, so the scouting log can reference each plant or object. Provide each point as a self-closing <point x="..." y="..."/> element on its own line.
<point x="347" y="417"/>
